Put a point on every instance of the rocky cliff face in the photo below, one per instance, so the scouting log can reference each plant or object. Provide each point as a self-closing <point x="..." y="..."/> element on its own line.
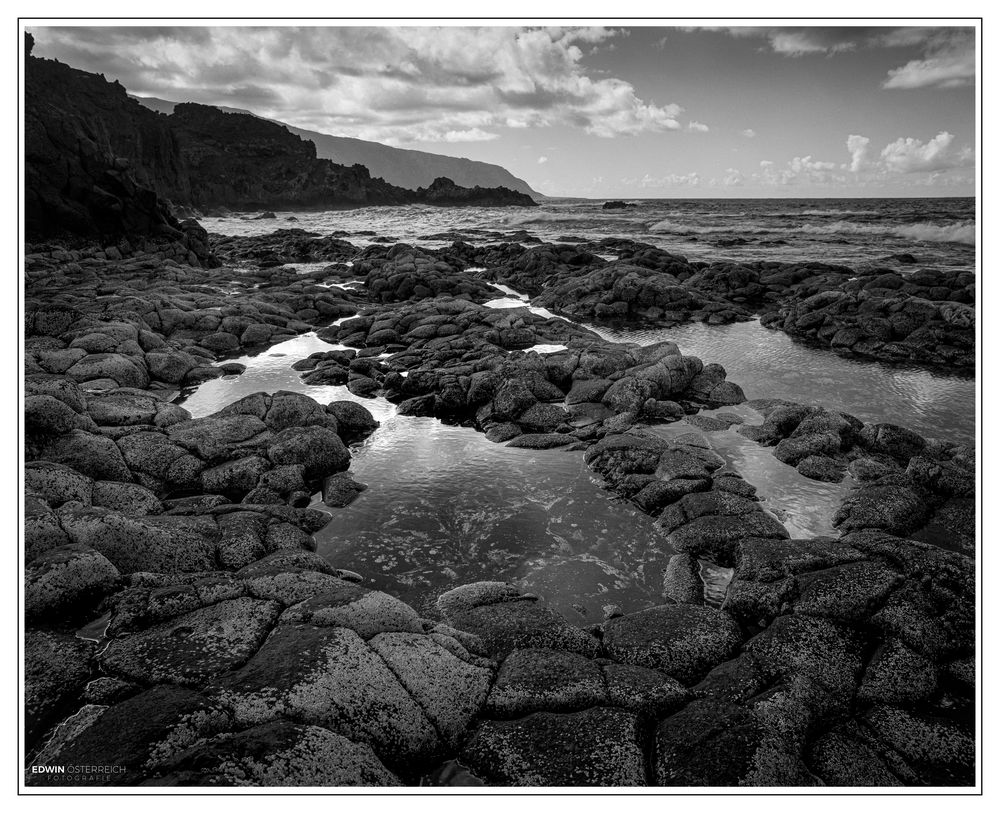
<point x="444" y="192"/>
<point x="94" y="158"/>
<point x="100" y="165"/>
<point x="245" y="162"/>
<point x="410" y="169"/>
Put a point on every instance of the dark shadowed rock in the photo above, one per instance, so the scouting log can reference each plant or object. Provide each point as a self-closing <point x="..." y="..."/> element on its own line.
<point x="68" y="579"/>
<point x="545" y="680"/>
<point x="138" y="735"/>
<point x="597" y="747"/>
<point x="684" y="641"/>
<point x="278" y="754"/>
<point x="56" y="667"/>
<point x="193" y="648"/>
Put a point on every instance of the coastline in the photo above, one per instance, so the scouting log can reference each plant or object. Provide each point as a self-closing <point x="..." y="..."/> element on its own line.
<point x="828" y="659"/>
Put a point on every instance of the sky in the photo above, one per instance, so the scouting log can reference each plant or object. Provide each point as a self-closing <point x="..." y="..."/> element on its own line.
<point x="594" y="112"/>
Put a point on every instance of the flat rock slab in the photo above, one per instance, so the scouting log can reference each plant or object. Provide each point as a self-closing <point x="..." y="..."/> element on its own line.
<point x="66" y="579"/>
<point x="56" y="667"/>
<point x="367" y="612"/>
<point x="328" y="676"/>
<point x="136" y="735"/>
<point x="599" y="747"/>
<point x="450" y="690"/>
<point x="940" y="752"/>
<point x="850" y="593"/>
<point x="161" y="544"/>
<point x="682" y="640"/>
<point x="193" y="648"/>
<point x="716" y="744"/>
<point x="842" y="759"/>
<point x="278" y="754"/>
<point x="546" y="680"/>
<point x="715" y="537"/>
<point x="523" y="624"/>
<point x="817" y="649"/>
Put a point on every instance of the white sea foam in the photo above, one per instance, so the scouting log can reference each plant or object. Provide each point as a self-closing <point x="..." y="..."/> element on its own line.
<point x="928" y="232"/>
<point x="964" y="232"/>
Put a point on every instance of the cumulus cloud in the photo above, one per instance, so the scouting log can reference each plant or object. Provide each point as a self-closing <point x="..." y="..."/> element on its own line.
<point x="857" y="146"/>
<point x="748" y="133"/>
<point x="390" y="84"/>
<point x="903" y="162"/>
<point x="648" y="181"/>
<point x="733" y="177"/>
<point x="697" y="127"/>
<point x="801" y="169"/>
<point x="906" y="155"/>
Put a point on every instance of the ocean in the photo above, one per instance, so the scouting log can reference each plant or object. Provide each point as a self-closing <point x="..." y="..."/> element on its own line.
<point x="937" y="232"/>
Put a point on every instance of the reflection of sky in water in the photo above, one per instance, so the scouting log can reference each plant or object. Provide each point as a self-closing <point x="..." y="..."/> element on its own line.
<point x="769" y="364"/>
<point x="271" y="371"/>
<point x="445" y="506"/>
<point x="805" y="506"/>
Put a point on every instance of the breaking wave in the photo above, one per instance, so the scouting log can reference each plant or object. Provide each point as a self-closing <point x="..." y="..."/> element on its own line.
<point x="964" y="232"/>
<point x="930" y="233"/>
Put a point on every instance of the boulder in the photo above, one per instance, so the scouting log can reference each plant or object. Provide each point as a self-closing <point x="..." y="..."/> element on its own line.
<point x="56" y="668"/>
<point x="319" y="450"/>
<point x="278" y="754"/>
<point x="545" y="680"/>
<point x="93" y="455"/>
<point x="193" y="648"/>
<point x="682" y="640"/>
<point x="163" y="544"/>
<point x="328" y="676"/>
<point x="66" y="580"/>
<point x="598" y="747"/>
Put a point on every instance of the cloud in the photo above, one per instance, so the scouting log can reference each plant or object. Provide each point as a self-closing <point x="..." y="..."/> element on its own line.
<point x="648" y="181"/>
<point x="903" y="162"/>
<point x="475" y="134"/>
<point x="857" y="146"/>
<point x="905" y="155"/>
<point x="799" y="170"/>
<point x="697" y="127"/>
<point x="798" y="41"/>
<point x="947" y="58"/>
<point x="733" y="177"/>
<point x="543" y="159"/>
<point x="950" y="63"/>
<point x="399" y="84"/>
<point x="748" y="133"/>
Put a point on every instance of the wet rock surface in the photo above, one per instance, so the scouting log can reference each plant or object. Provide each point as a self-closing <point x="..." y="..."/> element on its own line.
<point x="223" y="651"/>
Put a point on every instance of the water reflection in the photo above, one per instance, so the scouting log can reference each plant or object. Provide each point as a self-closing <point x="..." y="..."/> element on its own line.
<point x="445" y="506"/>
<point x="804" y="506"/>
<point x="769" y="364"/>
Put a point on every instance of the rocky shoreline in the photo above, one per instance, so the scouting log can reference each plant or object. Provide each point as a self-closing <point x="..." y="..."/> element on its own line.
<point x="181" y="626"/>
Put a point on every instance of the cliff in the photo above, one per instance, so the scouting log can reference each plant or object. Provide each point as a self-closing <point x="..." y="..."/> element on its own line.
<point x="94" y="158"/>
<point x="244" y="162"/>
<point x="410" y="169"/>
<point x="102" y="166"/>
